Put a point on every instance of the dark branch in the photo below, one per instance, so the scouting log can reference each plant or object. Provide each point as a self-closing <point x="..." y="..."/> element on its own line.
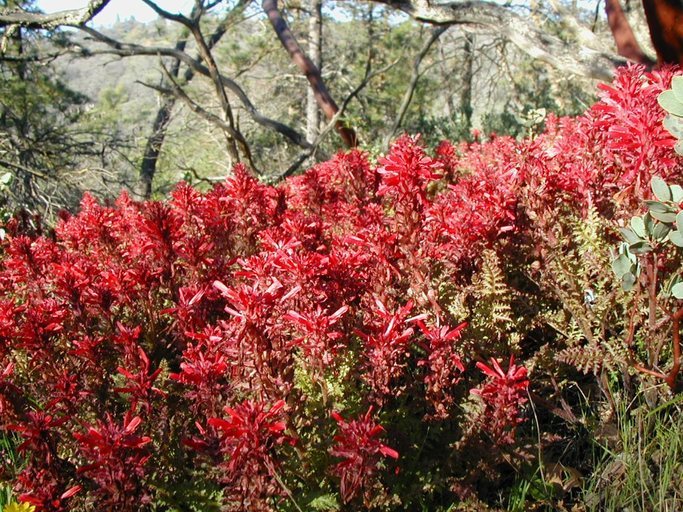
<point x="69" y="18"/>
<point x="130" y="50"/>
<point x="570" y="58"/>
<point x="310" y="70"/>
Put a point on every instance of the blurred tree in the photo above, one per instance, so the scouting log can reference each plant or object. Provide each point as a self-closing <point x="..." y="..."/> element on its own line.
<point x="266" y="108"/>
<point x="41" y="143"/>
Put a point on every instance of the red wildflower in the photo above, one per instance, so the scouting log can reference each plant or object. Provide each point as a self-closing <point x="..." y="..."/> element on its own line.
<point x="358" y="444"/>
<point x="503" y="394"/>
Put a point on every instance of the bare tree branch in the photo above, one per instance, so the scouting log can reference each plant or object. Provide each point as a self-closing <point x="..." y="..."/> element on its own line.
<point x="414" y="78"/>
<point x="369" y="75"/>
<point x="312" y="73"/>
<point x="179" y="93"/>
<point x="233" y="136"/>
<point x="162" y="119"/>
<point x="178" y="18"/>
<point x="68" y="18"/>
<point x="574" y="59"/>
<point x="131" y="50"/>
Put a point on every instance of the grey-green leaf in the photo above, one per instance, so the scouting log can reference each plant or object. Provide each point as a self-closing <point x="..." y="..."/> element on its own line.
<point x="660" y="189"/>
<point x="638" y="227"/>
<point x="640" y="248"/>
<point x="677" y="87"/>
<point x="679" y="221"/>
<point x="660" y="231"/>
<point x="677" y="193"/>
<point x="630" y="236"/>
<point x="668" y="217"/>
<point x="679" y="147"/>
<point x="674" y="125"/>
<point x="677" y="290"/>
<point x="668" y="101"/>
<point x="657" y="206"/>
<point x="621" y="265"/>
<point x="676" y="238"/>
<point x="647" y="218"/>
<point x="627" y="281"/>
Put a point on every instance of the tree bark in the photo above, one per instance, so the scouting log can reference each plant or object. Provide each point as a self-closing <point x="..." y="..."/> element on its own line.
<point x="232" y="135"/>
<point x="315" y="43"/>
<point x="155" y="141"/>
<point x="467" y="78"/>
<point x="67" y="18"/>
<point x="625" y="39"/>
<point x="665" y="21"/>
<point x="309" y="69"/>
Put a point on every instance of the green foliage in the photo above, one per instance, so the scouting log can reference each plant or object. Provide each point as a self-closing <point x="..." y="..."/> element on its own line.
<point x="586" y="313"/>
<point x="534" y="94"/>
<point x="9" y="459"/>
<point x="660" y="226"/>
<point x="493" y="321"/>
<point x="641" y="464"/>
<point x="42" y="140"/>
<point x="672" y="102"/>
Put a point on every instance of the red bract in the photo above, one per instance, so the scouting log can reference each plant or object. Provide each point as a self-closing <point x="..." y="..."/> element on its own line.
<point x="407" y="170"/>
<point x="358" y="444"/>
<point x="444" y="364"/>
<point x="248" y="438"/>
<point x="139" y="383"/>
<point x="205" y="314"/>
<point x="504" y="394"/>
<point x="386" y="348"/>
<point x="319" y="342"/>
<point x="114" y="459"/>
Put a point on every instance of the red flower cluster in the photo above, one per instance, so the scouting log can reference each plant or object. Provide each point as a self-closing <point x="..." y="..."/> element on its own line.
<point x="358" y="444"/>
<point x="247" y="439"/>
<point x="503" y="394"/>
<point x="128" y="336"/>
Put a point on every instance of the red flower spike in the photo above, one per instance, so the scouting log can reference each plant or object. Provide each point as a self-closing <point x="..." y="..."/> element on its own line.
<point x="503" y="394"/>
<point x="358" y="444"/>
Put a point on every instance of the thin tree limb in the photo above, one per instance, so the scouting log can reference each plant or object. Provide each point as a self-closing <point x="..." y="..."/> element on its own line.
<point x="67" y="18"/>
<point x="179" y="93"/>
<point x="570" y="58"/>
<point x="131" y="50"/>
<point x="414" y="79"/>
<point x="369" y="75"/>
<point x="312" y="73"/>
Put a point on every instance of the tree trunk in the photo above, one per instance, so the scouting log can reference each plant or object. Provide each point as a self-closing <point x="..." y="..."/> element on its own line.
<point x="163" y="117"/>
<point x="467" y="76"/>
<point x="625" y="39"/>
<point x="148" y="168"/>
<point x="315" y="40"/>
<point x="309" y="69"/>
<point x="153" y="147"/>
<point x="665" y="21"/>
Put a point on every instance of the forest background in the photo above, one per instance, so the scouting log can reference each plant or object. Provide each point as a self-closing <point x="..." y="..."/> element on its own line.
<point x="227" y="281"/>
<point x="109" y="107"/>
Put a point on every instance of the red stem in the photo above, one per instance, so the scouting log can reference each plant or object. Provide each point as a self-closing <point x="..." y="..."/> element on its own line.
<point x="671" y="378"/>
